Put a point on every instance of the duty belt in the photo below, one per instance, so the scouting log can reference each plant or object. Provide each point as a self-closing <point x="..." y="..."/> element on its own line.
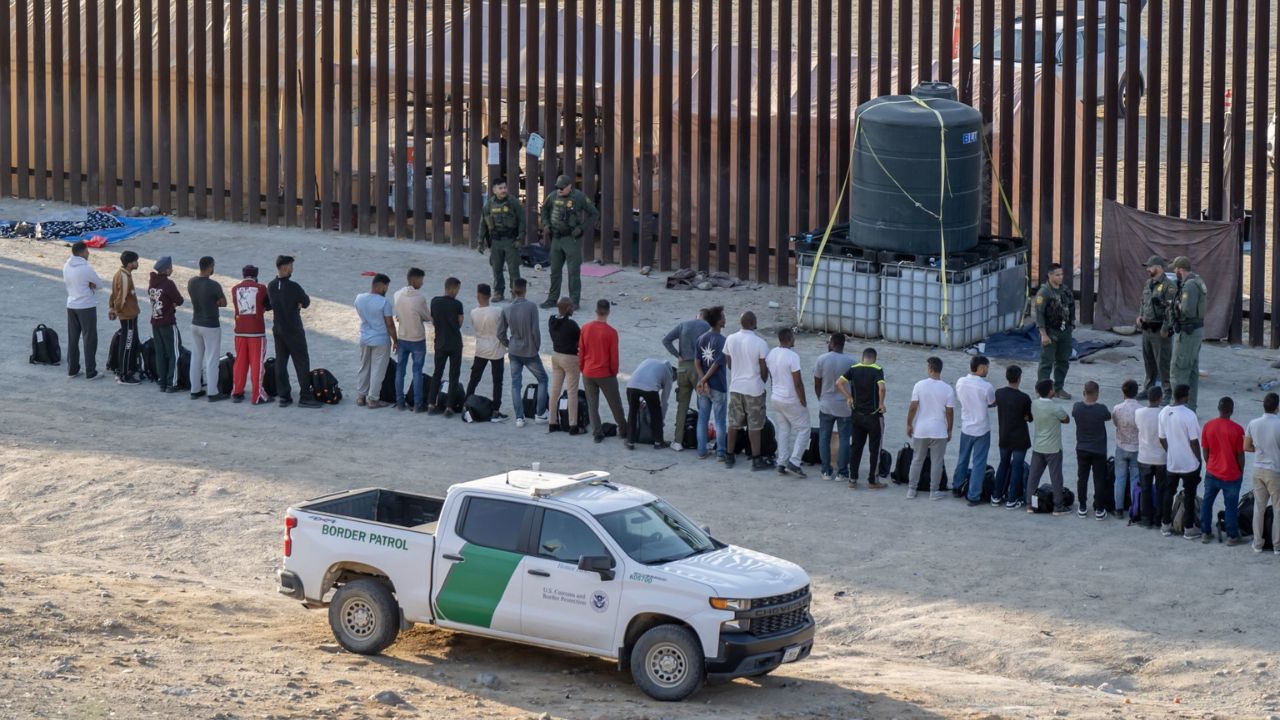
<point x="1190" y="327"/>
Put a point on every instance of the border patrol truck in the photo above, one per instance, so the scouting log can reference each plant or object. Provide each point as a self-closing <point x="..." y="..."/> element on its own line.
<point x="575" y="563"/>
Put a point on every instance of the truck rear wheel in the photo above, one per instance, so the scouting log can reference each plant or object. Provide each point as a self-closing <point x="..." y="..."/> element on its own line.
<point x="667" y="663"/>
<point x="364" y="616"/>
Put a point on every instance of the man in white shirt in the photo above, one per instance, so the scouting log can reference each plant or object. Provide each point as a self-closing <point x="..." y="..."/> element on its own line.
<point x="484" y="321"/>
<point x="929" y="427"/>
<point x="745" y="353"/>
<point x="1262" y="437"/>
<point x="1153" y="479"/>
<point x="1180" y="437"/>
<point x="790" y="410"/>
<point x="412" y="316"/>
<point x="82" y="311"/>
<point x="975" y="395"/>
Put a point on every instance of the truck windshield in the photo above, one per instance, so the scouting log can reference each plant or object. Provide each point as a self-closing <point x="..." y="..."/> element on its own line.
<point x="655" y="533"/>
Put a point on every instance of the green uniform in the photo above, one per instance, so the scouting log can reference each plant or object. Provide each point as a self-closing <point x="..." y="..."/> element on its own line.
<point x="501" y="227"/>
<point x="1055" y="314"/>
<point x="1156" y="323"/>
<point x="565" y="219"/>
<point x="1188" y="318"/>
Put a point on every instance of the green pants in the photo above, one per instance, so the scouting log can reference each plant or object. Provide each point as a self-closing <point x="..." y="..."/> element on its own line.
<point x="686" y="383"/>
<point x="1055" y="358"/>
<point x="1157" y="353"/>
<point x="1185" y="368"/>
<point x="503" y="251"/>
<point x="566" y="249"/>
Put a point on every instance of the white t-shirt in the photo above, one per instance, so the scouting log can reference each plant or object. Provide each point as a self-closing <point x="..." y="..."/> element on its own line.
<point x="782" y="362"/>
<point x="1149" y="450"/>
<point x="745" y="350"/>
<point x="975" y="395"/>
<point x="1265" y="434"/>
<point x="1178" y="427"/>
<point x="934" y="397"/>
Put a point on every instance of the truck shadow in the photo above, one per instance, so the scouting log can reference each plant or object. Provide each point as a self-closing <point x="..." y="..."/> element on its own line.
<point x="536" y="680"/>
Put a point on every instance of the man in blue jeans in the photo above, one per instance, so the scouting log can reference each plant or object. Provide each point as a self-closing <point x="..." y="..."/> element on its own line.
<point x="1013" y="412"/>
<point x="975" y="395"/>
<point x="519" y="333"/>
<point x="834" y="413"/>
<point x="1125" y="417"/>
<point x="1222" y="441"/>
<point x="712" y="384"/>
<point x="412" y="316"/>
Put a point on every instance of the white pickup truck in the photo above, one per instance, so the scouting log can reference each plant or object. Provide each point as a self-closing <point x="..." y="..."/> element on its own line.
<point x="574" y="563"/>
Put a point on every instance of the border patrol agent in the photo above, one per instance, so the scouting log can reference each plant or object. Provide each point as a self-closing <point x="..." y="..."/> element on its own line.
<point x="1155" y="320"/>
<point x="1188" y="319"/>
<point x="566" y="213"/>
<point x="501" y="227"/>
<point x="1055" y="316"/>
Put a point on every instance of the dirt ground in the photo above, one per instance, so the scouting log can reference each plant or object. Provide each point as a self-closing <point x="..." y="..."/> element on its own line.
<point x="144" y="530"/>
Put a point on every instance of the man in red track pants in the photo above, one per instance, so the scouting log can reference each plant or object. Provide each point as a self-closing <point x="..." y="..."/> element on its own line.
<point x="250" y="301"/>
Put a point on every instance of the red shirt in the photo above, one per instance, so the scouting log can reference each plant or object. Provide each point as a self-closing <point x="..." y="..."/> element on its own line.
<point x="598" y="350"/>
<point x="249" y="299"/>
<point x="1223" y="439"/>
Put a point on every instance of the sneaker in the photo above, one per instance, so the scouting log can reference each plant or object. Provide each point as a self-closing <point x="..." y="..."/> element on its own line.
<point x="197" y="395"/>
<point x="1057" y="512"/>
<point x="973" y="503"/>
<point x="1257" y="548"/>
<point x="498" y="417"/>
<point x="853" y="483"/>
<point x="93" y="375"/>
<point x="1015" y="504"/>
<point x="402" y="405"/>
<point x="574" y="430"/>
<point x="1166" y="530"/>
<point x="309" y="403"/>
<point x="172" y="390"/>
<point x="519" y="422"/>
<point x="284" y="402"/>
<point x="628" y="445"/>
<point x="782" y="469"/>
<point x="497" y="298"/>
<point x="1206" y="539"/>
<point x="237" y="399"/>
<point x="448" y="412"/>
<point x="828" y="477"/>
<point x="659" y="445"/>
<point x="598" y="439"/>
<point x="374" y="404"/>
<point x="544" y="417"/>
<point x="720" y="458"/>
<point x="1191" y="534"/>
<point x="1062" y="395"/>
<point x="795" y="469"/>
<point x="1100" y="514"/>
<point x="420" y="409"/>
<point x="218" y="398"/>
<point x="911" y="494"/>
<point x="996" y="502"/>
<point x="937" y="495"/>
<point x="128" y="380"/>
<point x="876" y="485"/>
<point x="1082" y="511"/>
<point x="729" y="461"/>
<point x="360" y="401"/>
<point x="676" y="446"/>
<point x="547" y="304"/>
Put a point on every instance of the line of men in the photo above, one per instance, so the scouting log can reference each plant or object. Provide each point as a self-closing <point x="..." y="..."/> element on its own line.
<point x="1171" y="319"/>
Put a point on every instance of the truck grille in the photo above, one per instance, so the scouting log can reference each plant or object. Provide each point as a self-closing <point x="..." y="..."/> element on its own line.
<point x="789" y="614"/>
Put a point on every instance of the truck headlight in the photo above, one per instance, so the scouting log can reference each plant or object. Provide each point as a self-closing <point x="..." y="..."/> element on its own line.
<point x="739" y="625"/>
<point x="730" y="604"/>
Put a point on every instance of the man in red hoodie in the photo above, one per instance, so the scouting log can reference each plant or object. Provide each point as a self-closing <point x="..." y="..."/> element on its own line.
<point x="165" y="299"/>
<point x="598" y="359"/>
<point x="250" y="301"/>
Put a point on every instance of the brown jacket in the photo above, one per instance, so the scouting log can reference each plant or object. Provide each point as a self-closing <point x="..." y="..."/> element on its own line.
<point x="124" y="303"/>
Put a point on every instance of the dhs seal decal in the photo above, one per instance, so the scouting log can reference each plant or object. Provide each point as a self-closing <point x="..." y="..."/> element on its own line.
<point x="599" y="601"/>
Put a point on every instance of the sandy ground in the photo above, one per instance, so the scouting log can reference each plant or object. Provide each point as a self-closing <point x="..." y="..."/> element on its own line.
<point x="143" y="532"/>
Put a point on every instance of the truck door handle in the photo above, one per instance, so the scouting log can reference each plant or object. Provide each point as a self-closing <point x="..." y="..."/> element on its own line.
<point x="540" y="573"/>
<point x="453" y="558"/>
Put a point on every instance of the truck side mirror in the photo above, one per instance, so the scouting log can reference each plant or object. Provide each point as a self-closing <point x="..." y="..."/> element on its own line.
<point x="600" y="564"/>
<point x="707" y="530"/>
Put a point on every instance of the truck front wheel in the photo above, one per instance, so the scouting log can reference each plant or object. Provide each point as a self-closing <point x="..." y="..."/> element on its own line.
<point x="364" y="616"/>
<point x="667" y="663"/>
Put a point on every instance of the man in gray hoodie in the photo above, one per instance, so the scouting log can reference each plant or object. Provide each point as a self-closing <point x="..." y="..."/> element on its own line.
<point x="519" y="333"/>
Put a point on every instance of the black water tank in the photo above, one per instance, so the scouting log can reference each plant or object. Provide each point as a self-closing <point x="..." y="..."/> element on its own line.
<point x="898" y="191"/>
<point x="946" y="91"/>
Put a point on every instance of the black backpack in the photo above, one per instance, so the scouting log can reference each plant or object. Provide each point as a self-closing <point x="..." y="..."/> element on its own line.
<point x="226" y="373"/>
<point x="768" y="441"/>
<point x="1186" y="514"/>
<point x="562" y="412"/>
<point x="113" y="354"/>
<point x="324" y="387"/>
<point x="529" y="401"/>
<point x="812" y="455"/>
<point x="184" y="367"/>
<point x="902" y="468"/>
<point x="1244" y="519"/>
<point x="449" y="398"/>
<point x="477" y="409"/>
<point x="183" y="372"/>
<point x="535" y="256"/>
<point x="45" y="348"/>
<point x="387" y="393"/>
<point x="1042" y="499"/>
<point x="689" y="434"/>
<point x="885" y="467"/>
<point x="988" y="485"/>
<point x="269" y="377"/>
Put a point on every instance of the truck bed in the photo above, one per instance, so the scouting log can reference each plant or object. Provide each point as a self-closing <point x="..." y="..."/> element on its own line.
<point x="415" y="512"/>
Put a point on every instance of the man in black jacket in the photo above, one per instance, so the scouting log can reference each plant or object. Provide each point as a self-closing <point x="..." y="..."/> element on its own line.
<point x="287" y="301"/>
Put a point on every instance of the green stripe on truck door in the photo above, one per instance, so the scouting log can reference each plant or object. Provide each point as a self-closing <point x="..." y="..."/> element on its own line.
<point x="474" y="587"/>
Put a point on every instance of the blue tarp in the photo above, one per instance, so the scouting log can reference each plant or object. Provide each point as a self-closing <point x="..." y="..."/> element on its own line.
<point x="131" y="228"/>
<point x="1024" y="344"/>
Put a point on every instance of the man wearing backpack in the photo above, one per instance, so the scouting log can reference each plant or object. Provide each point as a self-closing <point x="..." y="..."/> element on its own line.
<point x="1223" y="464"/>
<point x="124" y="307"/>
<point x="206" y="331"/>
<point x="82" y="311"/>
<point x="288" y="300"/>
<point x="165" y="299"/>
<point x="251" y="306"/>
<point x="1180" y="437"/>
<point x="1263" y="439"/>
